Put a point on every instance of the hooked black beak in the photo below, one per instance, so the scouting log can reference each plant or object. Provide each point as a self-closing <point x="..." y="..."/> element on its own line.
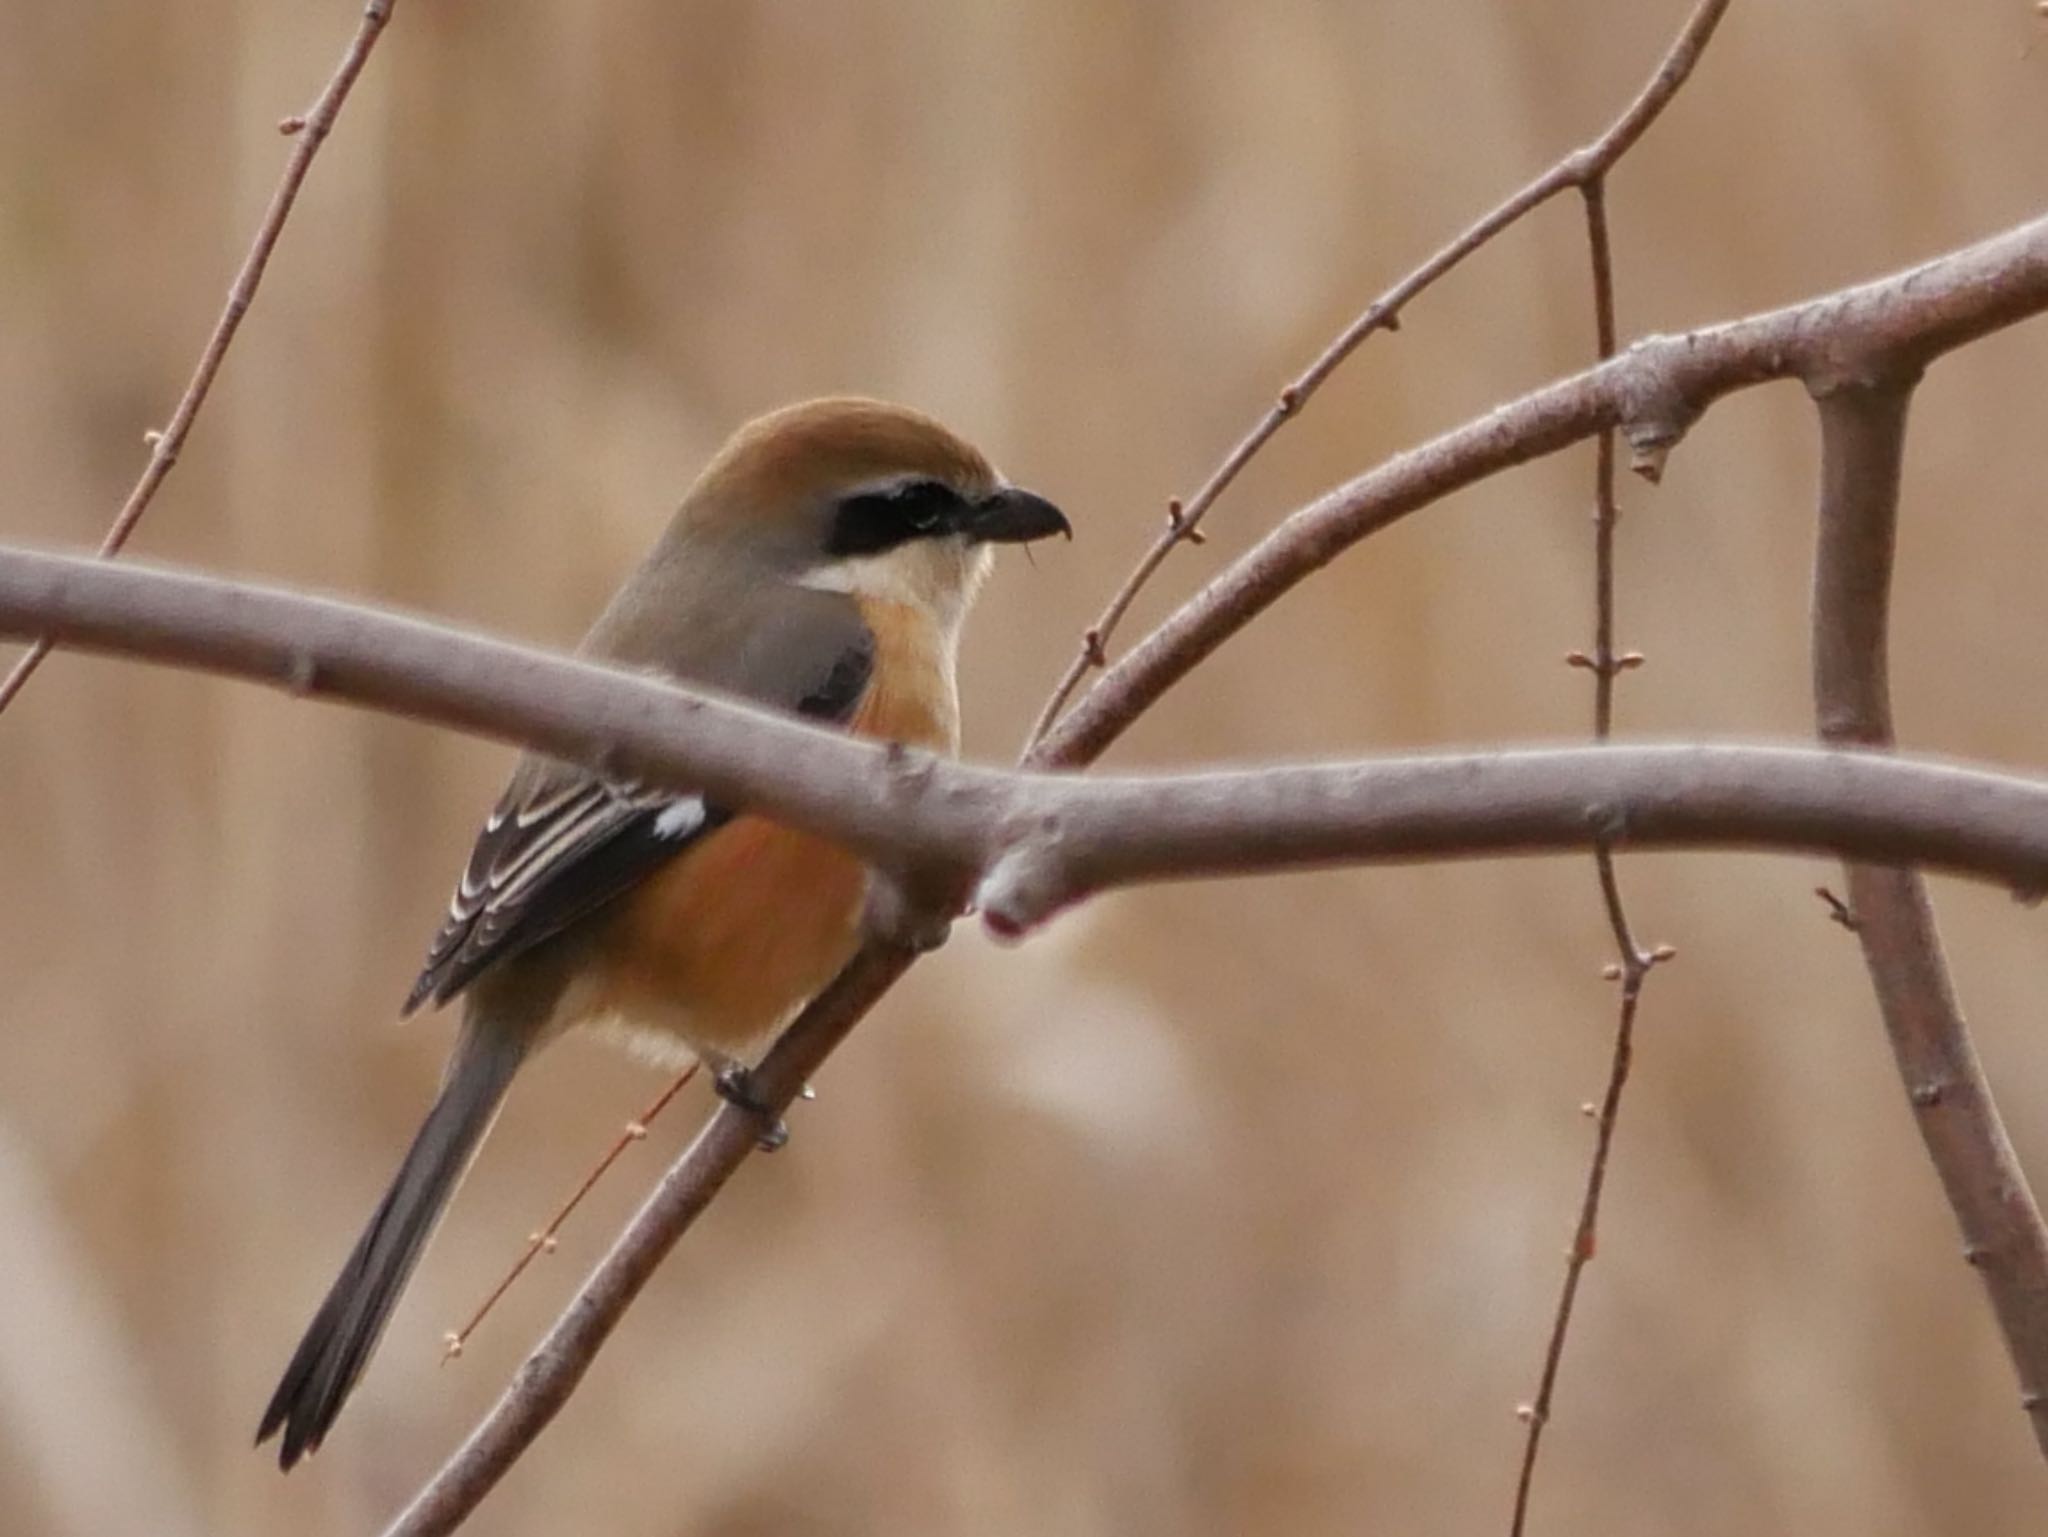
<point x="1013" y="516"/>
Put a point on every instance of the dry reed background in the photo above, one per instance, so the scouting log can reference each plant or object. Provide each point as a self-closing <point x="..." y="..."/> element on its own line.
<point x="1218" y="1209"/>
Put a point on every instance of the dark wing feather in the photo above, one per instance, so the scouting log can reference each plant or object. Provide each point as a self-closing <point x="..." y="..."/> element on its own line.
<point x="559" y="845"/>
<point x="562" y="842"/>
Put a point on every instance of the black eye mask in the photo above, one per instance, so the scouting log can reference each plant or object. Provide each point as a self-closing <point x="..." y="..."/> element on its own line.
<point x="871" y="522"/>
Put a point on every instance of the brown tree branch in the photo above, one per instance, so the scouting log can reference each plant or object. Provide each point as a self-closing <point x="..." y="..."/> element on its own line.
<point x="550" y="1373"/>
<point x="1653" y="392"/>
<point x="1584" y="168"/>
<point x="1943" y="304"/>
<point x="1978" y="290"/>
<point x="1029" y="844"/>
<point x="1863" y="431"/>
<point x="311" y="132"/>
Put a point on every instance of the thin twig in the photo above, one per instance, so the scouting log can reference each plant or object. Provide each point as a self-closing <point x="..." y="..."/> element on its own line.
<point x="1582" y="168"/>
<point x="543" y="1241"/>
<point x="1863" y="431"/>
<point x="1634" y="963"/>
<point x="309" y="133"/>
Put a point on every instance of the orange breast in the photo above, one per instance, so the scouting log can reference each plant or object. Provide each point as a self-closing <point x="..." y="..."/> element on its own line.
<point x="719" y="946"/>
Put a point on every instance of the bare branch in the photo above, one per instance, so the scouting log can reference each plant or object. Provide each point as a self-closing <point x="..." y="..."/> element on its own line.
<point x="1040" y="842"/>
<point x="1863" y="432"/>
<point x="1632" y="968"/>
<point x="310" y="132"/>
<point x="1583" y="168"/>
<point x="542" y="1240"/>
<point x="1653" y="392"/>
<point x="551" y="1371"/>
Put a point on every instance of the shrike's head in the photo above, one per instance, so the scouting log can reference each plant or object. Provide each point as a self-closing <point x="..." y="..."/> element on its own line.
<point x="856" y="496"/>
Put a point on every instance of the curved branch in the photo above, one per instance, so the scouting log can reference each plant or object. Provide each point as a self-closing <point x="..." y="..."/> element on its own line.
<point x="1653" y="392"/>
<point x="1044" y="840"/>
<point x="1987" y="286"/>
<point x="1863" y="432"/>
<point x="1038" y="842"/>
<point x="1583" y="168"/>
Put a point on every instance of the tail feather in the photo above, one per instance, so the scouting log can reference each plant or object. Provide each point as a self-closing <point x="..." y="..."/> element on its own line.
<point x="339" y="1341"/>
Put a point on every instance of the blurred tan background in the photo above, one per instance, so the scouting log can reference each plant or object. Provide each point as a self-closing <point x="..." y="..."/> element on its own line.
<point x="1220" y="1209"/>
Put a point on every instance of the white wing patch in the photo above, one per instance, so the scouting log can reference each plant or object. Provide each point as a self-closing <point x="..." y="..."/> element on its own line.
<point x="680" y="818"/>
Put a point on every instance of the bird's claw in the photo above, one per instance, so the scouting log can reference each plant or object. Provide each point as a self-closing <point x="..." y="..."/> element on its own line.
<point x="735" y="1085"/>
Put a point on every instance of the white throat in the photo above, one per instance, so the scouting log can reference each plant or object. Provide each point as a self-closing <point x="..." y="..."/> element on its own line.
<point x="939" y="577"/>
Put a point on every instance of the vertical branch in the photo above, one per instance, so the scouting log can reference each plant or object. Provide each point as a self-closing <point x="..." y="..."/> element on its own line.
<point x="1605" y="664"/>
<point x="1863" y="432"/>
<point x="310" y="132"/>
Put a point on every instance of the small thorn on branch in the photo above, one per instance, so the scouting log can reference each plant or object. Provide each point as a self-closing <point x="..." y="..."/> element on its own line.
<point x="1092" y="648"/>
<point x="1608" y="667"/>
<point x="291" y="125"/>
<point x="1178" y="521"/>
<point x="1838" y="910"/>
<point x="1289" y="401"/>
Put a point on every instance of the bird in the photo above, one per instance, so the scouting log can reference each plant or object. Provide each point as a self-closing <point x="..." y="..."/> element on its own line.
<point x="822" y="564"/>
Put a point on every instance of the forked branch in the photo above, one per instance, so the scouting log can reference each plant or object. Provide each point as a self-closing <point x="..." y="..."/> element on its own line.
<point x="1584" y="168"/>
<point x="1863" y="433"/>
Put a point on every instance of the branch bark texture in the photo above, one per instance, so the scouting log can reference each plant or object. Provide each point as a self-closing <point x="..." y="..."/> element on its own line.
<point x="1653" y="393"/>
<point x="1033" y="843"/>
<point x="1863" y="433"/>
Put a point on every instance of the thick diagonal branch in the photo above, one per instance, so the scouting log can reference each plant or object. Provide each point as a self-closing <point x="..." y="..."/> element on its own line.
<point x="1863" y="432"/>
<point x="1653" y="392"/>
<point x="1941" y="305"/>
<point x="1585" y="168"/>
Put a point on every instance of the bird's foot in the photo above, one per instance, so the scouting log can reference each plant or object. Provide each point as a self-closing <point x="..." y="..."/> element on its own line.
<point x="735" y="1085"/>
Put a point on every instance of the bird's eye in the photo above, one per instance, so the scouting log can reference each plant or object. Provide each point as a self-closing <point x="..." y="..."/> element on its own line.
<point x="869" y="522"/>
<point x="923" y="503"/>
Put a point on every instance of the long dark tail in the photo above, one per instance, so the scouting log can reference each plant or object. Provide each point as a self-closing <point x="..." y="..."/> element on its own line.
<point x="345" y="1331"/>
